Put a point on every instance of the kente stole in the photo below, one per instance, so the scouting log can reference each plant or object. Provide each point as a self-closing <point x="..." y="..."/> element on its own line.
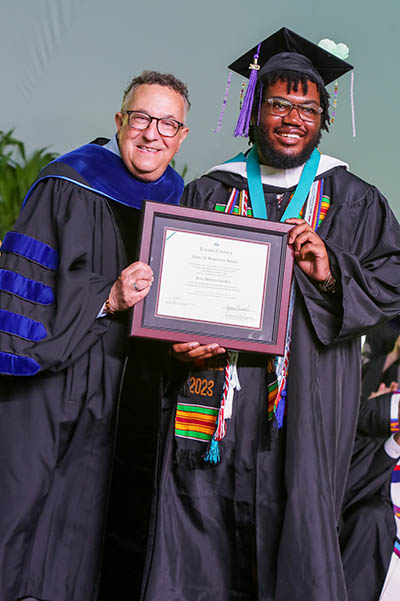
<point x="202" y="406"/>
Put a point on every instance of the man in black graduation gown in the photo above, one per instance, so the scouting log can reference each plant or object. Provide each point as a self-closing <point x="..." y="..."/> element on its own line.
<point x="68" y="275"/>
<point x="252" y="515"/>
<point x="368" y="533"/>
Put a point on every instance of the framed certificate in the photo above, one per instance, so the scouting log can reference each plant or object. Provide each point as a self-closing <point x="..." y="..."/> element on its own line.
<point x="217" y="278"/>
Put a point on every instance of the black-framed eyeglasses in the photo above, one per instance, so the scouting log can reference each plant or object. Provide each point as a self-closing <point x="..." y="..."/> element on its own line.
<point x="282" y="107"/>
<point x="165" y="126"/>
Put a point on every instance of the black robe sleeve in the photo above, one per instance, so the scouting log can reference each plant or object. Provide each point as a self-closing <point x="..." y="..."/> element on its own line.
<point x="363" y="238"/>
<point x="370" y="471"/>
<point x="371" y="467"/>
<point x="374" y="416"/>
<point x="54" y="282"/>
<point x="368" y="527"/>
<point x="378" y="344"/>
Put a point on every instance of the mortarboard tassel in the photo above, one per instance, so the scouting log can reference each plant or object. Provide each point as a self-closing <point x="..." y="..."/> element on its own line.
<point x="242" y="126"/>
<point x="242" y="89"/>
<point x="224" y="102"/>
<point x="353" y="113"/>
<point x="334" y="102"/>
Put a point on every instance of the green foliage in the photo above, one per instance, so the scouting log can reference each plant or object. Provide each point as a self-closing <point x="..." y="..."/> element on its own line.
<point x="17" y="173"/>
<point x="184" y="168"/>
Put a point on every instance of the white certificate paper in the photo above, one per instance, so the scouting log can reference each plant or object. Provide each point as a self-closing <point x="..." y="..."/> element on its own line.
<point x="212" y="279"/>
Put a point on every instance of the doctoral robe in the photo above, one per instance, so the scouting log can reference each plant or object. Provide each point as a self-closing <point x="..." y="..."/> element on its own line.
<point x="261" y="525"/>
<point x="61" y="370"/>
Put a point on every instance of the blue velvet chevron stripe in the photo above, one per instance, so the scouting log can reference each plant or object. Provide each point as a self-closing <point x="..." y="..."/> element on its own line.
<point x="31" y="249"/>
<point x="25" y="288"/>
<point x="19" y="325"/>
<point x="17" y="365"/>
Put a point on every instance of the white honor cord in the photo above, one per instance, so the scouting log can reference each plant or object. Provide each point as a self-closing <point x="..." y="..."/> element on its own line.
<point x="281" y="363"/>
<point x="234" y="383"/>
<point x="312" y="198"/>
<point x="353" y="110"/>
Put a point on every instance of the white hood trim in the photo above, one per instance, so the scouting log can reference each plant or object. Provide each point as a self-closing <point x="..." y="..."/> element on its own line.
<point x="280" y="178"/>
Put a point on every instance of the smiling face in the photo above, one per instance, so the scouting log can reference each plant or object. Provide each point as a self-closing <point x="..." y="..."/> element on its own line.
<point x="146" y="153"/>
<point x="287" y="142"/>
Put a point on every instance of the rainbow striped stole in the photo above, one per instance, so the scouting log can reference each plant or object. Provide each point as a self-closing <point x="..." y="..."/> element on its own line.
<point x="272" y="392"/>
<point x="206" y="423"/>
<point x="238" y="204"/>
<point x="395" y="479"/>
<point x="397" y="547"/>
<point x="196" y="422"/>
<point x="314" y="212"/>
<point x="396" y="474"/>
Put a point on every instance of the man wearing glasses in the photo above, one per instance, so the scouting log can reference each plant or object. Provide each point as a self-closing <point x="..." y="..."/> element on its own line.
<point x="68" y="275"/>
<point x="253" y="476"/>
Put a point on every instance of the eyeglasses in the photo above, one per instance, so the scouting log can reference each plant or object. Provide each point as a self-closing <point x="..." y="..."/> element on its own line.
<point x="165" y="127"/>
<point x="281" y="108"/>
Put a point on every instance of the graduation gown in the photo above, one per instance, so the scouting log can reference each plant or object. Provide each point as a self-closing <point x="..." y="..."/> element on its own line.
<point x="368" y="531"/>
<point x="262" y="524"/>
<point x="62" y="369"/>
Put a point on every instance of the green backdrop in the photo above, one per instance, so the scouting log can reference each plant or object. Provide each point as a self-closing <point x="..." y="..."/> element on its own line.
<point x="64" y="64"/>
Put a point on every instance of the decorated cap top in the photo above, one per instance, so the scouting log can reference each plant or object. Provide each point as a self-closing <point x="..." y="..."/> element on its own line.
<point x="286" y="50"/>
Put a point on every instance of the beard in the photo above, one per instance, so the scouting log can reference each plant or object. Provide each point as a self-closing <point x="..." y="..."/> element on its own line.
<point x="277" y="159"/>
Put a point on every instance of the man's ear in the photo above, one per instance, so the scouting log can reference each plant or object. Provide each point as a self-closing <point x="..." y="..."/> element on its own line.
<point x="119" y="118"/>
<point x="183" y="133"/>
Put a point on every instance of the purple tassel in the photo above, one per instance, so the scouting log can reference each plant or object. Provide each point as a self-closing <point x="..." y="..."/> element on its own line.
<point x="242" y="126"/>
<point x="224" y="102"/>
<point x="280" y="410"/>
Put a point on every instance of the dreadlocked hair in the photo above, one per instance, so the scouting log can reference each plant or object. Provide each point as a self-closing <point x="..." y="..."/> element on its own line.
<point x="293" y="80"/>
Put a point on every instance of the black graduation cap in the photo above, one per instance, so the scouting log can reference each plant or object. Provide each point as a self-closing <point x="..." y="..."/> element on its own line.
<point x="287" y="50"/>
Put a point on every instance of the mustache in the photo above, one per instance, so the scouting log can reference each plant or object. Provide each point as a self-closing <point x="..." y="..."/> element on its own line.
<point x="277" y="159"/>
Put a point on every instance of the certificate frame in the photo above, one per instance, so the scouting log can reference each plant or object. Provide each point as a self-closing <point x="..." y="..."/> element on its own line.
<point x="243" y="234"/>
